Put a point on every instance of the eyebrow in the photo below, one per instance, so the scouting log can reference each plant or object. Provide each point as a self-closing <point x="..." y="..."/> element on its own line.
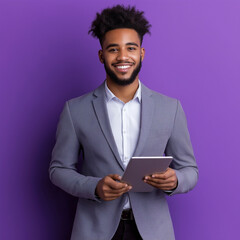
<point x="116" y="45"/>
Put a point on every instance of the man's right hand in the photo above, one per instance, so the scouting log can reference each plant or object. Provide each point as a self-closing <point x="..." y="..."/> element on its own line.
<point x="109" y="189"/>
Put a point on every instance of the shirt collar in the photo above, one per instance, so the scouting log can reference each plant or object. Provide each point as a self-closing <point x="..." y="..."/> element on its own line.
<point x="110" y="95"/>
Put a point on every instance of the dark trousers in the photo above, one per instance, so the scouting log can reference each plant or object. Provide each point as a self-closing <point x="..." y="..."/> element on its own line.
<point x="127" y="230"/>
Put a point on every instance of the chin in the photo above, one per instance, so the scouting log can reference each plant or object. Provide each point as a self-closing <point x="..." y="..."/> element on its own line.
<point x="123" y="80"/>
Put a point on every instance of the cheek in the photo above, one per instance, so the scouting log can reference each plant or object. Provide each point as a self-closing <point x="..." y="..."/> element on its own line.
<point x="108" y="60"/>
<point x="136" y="57"/>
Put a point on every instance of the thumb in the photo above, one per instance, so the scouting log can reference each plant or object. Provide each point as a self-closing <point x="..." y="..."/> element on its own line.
<point x="115" y="177"/>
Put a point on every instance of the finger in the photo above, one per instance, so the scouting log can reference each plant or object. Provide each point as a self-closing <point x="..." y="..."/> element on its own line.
<point x="114" y="194"/>
<point x="115" y="177"/>
<point x="161" y="186"/>
<point x="161" y="181"/>
<point x="115" y="184"/>
<point x="168" y="174"/>
<point x="164" y="187"/>
<point x="118" y="191"/>
<point x="171" y="183"/>
<point x="165" y="175"/>
<point x="111" y="195"/>
<point x="170" y="186"/>
<point x="117" y="187"/>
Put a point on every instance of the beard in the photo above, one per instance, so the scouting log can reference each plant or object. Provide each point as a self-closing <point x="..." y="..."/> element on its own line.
<point x="123" y="82"/>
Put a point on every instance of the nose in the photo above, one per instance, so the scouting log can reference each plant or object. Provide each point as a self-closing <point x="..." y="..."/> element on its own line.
<point x="122" y="55"/>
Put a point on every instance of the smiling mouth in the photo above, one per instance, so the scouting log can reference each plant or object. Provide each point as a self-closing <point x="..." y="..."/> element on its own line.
<point x="123" y="67"/>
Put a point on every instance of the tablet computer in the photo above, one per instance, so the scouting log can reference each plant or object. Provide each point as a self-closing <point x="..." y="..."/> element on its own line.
<point x="139" y="167"/>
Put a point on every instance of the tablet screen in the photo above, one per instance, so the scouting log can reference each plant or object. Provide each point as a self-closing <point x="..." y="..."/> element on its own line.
<point x="139" y="167"/>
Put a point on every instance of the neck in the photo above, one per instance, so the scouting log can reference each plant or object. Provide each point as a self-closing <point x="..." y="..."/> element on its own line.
<point x="124" y="93"/>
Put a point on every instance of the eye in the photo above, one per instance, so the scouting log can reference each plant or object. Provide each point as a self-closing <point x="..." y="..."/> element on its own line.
<point x="113" y="50"/>
<point x="131" y="48"/>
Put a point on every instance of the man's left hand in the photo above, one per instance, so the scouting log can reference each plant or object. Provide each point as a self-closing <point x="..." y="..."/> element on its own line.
<point x="165" y="181"/>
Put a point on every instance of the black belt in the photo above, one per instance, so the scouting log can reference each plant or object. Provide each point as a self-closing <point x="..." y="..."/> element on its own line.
<point x="127" y="214"/>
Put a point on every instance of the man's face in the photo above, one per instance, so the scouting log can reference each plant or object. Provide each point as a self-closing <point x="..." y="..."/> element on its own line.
<point x="122" y="55"/>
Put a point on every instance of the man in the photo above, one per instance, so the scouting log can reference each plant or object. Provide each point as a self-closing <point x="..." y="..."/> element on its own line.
<point x="120" y="119"/>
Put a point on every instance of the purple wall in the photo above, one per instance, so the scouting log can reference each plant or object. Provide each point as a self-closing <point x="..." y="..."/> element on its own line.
<point x="47" y="57"/>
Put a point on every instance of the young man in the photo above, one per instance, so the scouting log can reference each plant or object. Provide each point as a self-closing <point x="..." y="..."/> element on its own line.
<point x="120" y="119"/>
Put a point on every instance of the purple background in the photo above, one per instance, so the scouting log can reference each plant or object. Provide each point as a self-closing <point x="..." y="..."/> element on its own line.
<point x="47" y="57"/>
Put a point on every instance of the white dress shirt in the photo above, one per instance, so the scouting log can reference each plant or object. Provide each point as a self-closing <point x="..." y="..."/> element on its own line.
<point x="125" y="124"/>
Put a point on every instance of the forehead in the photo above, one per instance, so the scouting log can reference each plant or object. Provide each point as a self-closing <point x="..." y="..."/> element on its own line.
<point x="121" y="36"/>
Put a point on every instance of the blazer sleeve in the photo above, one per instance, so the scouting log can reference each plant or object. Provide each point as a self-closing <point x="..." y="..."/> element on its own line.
<point x="65" y="156"/>
<point x="179" y="146"/>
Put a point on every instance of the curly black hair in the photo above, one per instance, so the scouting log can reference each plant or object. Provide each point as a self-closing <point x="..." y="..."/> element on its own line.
<point x="119" y="16"/>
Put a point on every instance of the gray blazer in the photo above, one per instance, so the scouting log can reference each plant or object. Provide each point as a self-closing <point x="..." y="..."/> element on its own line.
<point x="84" y="128"/>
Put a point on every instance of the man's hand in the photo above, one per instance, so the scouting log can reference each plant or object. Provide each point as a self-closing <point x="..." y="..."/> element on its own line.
<point x="165" y="181"/>
<point x="109" y="189"/>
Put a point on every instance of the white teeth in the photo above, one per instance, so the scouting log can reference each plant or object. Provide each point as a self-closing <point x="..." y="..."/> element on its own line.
<point x="123" y="67"/>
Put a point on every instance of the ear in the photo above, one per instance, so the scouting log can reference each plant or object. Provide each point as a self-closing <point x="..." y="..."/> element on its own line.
<point x="142" y="53"/>
<point x="100" y="55"/>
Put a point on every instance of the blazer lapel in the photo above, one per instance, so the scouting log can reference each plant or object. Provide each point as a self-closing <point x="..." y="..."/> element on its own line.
<point x="102" y="116"/>
<point x="147" y="109"/>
